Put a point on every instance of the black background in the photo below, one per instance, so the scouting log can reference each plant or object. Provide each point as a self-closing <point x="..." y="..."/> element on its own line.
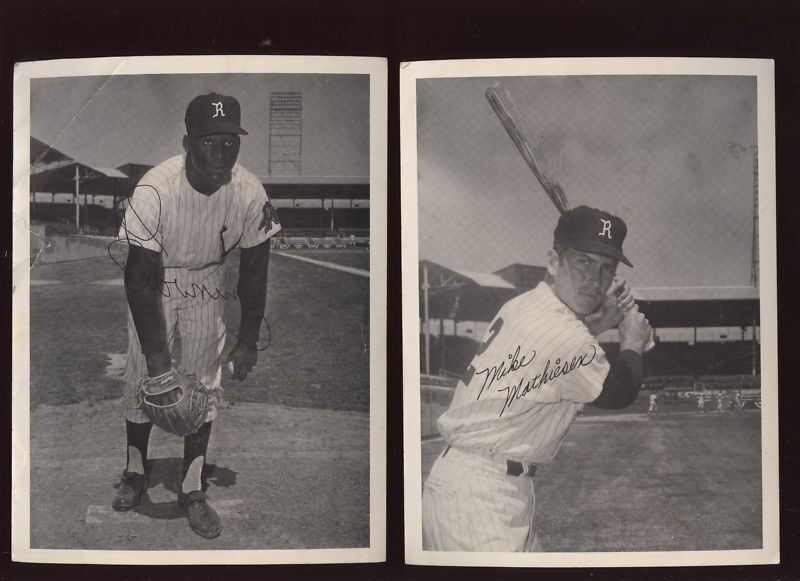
<point x="426" y="30"/>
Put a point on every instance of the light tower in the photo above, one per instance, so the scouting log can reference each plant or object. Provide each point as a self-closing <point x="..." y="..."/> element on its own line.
<point x="285" y="133"/>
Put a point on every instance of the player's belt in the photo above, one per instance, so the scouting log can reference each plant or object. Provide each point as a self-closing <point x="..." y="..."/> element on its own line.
<point x="513" y="468"/>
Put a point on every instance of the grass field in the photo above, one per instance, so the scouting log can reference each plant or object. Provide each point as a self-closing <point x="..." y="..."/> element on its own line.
<point x="289" y="454"/>
<point x="629" y="482"/>
<point x="318" y="323"/>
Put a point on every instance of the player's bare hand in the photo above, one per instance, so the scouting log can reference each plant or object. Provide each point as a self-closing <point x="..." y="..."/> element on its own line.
<point x="241" y="360"/>
<point x="635" y="332"/>
<point x="608" y="315"/>
<point x="623" y="293"/>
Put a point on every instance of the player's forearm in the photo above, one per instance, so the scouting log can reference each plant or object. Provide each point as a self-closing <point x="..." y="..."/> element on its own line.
<point x="252" y="290"/>
<point x="143" y="273"/>
<point x="622" y="383"/>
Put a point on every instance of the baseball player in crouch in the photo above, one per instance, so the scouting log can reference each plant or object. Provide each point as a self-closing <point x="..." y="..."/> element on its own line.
<point x="184" y="217"/>
<point x="539" y="361"/>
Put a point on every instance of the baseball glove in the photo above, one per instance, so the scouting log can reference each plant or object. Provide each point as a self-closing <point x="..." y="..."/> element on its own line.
<point x="174" y="401"/>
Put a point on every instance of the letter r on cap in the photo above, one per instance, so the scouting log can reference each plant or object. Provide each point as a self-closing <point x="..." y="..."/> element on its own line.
<point x="606" y="228"/>
<point x="218" y="112"/>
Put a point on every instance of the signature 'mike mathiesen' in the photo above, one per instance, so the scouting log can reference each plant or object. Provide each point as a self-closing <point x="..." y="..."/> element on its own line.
<point x="551" y="370"/>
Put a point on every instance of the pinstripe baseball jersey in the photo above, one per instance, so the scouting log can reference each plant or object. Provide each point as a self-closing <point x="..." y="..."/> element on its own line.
<point x="193" y="233"/>
<point x="537" y="364"/>
<point x="191" y="230"/>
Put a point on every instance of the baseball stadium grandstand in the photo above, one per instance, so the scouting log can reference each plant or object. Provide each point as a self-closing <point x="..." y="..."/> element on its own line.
<point x="707" y="339"/>
<point x="68" y="196"/>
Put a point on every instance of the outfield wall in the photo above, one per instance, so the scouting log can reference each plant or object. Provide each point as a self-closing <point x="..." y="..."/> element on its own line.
<point x="47" y="247"/>
<point x="105" y="218"/>
<point x="452" y="354"/>
<point x="56" y="248"/>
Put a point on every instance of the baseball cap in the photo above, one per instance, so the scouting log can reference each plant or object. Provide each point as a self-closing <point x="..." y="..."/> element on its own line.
<point x="592" y="230"/>
<point x="214" y="113"/>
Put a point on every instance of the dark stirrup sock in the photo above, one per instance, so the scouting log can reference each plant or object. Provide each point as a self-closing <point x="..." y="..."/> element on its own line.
<point x="138" y="439"/>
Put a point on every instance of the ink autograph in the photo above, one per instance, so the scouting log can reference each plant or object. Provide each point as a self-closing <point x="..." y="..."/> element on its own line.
<point x="515" y="362"/>
<point x="195" y="290"/>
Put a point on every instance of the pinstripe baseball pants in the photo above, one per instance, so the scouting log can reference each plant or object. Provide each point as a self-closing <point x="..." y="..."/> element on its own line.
<point x="471" y="503"/>
<point x="195" y="322"/>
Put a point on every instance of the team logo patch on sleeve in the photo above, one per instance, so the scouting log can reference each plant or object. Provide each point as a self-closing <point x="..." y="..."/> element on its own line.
<point x="269" y="217"/>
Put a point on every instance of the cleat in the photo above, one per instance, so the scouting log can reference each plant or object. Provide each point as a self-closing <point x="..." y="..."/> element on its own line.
<point x="129" y="493"/>
<point x="202" y="518"/>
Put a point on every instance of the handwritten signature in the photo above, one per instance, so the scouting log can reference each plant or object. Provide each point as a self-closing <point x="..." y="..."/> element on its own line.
<point x="552" y="370"/>
<point x="132" y="238"/>
<point x="195" y="290"/>
<point x="501" y="370"/>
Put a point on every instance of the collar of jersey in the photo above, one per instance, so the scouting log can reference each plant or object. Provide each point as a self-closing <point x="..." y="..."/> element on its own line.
<point x="555" y="303"/>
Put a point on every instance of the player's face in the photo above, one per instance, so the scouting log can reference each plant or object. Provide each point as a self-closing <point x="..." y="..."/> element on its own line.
<point x="581" y="279"/>
<point x="210" y="159"/>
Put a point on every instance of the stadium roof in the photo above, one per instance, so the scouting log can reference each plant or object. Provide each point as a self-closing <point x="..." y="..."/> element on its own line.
<point x="488" y="279"/>
<point x="475" y="296"/>
<point x="467" y="303"/>
<point x="60" y="177"/>
<point x="41" y="168"/>
<point x="54" y="171"/>
<point x="111" y="172"/>
<point x="38" y="167"/>
<point x="696" y="293"/>
<point x="43" y="154"/>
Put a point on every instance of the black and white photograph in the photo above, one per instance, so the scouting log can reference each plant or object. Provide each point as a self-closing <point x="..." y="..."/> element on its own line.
<point x="590" y="327"/>
<point x="199" y="310"/>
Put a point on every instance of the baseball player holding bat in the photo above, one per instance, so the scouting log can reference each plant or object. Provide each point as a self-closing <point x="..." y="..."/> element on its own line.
<point x="528" y="147"/>
<point x="184" y="218"/>
<point x="538" y="363"/>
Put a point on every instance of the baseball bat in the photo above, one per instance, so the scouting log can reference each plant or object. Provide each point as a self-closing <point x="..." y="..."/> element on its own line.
<point x="511" y="119"/>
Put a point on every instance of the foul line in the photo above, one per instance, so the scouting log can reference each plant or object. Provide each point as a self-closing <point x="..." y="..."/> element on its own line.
<point x="331" y="265"/>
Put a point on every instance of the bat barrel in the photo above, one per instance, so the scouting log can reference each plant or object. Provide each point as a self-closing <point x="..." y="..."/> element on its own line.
<point x="511" y="120"/>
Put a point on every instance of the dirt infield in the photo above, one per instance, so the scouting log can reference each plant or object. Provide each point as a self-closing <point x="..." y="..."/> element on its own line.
<point x="629" y="482"/>
<point x="280" y="477"/>
<point x="289" y="455"/>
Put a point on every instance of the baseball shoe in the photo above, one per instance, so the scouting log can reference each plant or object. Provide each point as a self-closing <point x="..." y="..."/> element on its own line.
<point x="129" y="493"/>
<point x="202" y="518"/>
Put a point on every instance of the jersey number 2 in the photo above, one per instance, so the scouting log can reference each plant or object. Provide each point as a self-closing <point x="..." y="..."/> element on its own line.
<point x="493" y="331"/>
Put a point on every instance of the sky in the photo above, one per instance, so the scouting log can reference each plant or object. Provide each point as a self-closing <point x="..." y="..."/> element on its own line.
<point x="107" y="121"/>
<point x="671" y="155"/>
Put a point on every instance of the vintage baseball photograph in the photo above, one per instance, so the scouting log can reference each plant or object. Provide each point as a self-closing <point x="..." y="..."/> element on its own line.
<point x="589" y="317"/>
<point x="199" y="310"/>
